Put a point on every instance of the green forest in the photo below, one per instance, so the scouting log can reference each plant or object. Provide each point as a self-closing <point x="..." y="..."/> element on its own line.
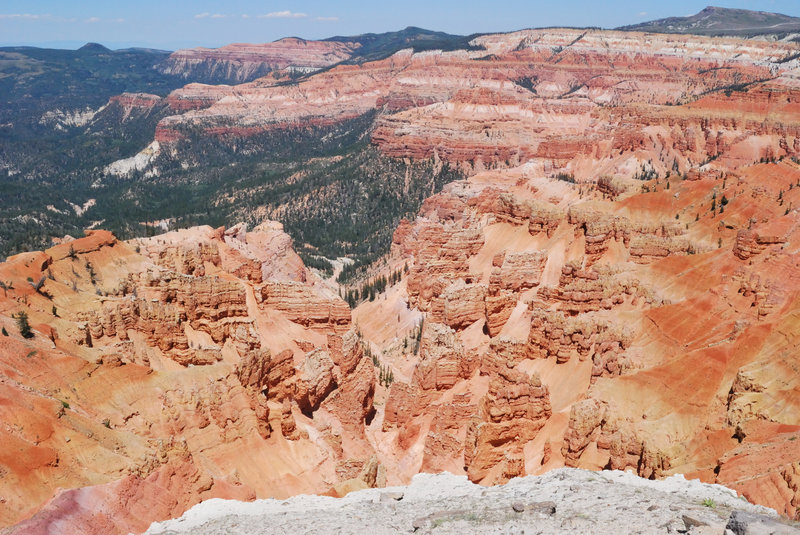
<point x="335" y="193"/>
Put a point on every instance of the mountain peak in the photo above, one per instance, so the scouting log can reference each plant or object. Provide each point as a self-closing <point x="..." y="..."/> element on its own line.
<point x="96" y="48"/>
<point x="720" y="21"/>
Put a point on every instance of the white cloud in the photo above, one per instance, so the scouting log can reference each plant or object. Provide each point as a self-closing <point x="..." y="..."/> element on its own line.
<point x="92" y="20"/>
<point x="643" y="13"/>
<point x="207" y="15"/>
<point x="22" y="16"/>
<point x="119" y="20"/>
<point x="327" y="19"/>
<point x="245" y="16"/>
<point x="283" y="15"/>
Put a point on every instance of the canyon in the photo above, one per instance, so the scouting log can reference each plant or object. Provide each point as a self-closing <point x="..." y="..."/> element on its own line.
<point x="612" y="282"/>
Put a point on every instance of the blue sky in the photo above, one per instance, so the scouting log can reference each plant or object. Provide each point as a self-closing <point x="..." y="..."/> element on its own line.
<point x="172" y="24"/>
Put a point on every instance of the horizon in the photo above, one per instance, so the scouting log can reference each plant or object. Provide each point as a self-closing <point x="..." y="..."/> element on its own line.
<point x="49" y="24"/>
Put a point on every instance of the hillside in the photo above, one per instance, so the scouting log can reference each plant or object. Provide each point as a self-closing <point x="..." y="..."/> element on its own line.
<point x="378" y="46"/>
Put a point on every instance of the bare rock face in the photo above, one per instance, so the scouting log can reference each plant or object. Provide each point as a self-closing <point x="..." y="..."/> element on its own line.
<point x="582" y="290"/>
<point x="499" y="306"/>
<point x="303" y="306"/>
<point x="564" y="337"/>
<point x="561" y="502"/>
<point x="512" y="412"/>
<point x="206" y="304"/>
<point x="441" y="255"/>
<point x="750" y="243"/>
<point x="443" y="361"/>
<point x="504" y="354"/>
<point x="459" y="305"/>
<point x="237" y="63"/>
<point x="539" y="216"/>
<point x="134" y="104"/>
<point x="316" y="381"/>
<point x="404" y="403"/>
<point x="445" y="438"/>
<point x="520" y="271"/>
<point x="585" y="419"/>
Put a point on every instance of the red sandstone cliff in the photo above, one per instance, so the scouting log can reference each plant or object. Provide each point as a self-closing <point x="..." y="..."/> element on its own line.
<point x="242" y="62"/>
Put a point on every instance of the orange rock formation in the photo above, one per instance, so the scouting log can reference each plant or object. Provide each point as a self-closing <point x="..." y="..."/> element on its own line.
<point x="616" y="285"/>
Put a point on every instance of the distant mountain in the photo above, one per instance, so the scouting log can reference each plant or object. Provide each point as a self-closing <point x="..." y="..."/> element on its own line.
<point x="36" y="80"/>
<point x="719" y="21"/>
<point x="376" y="46"/>
<point x="294" y="57"/>
<point x="95" y="48"/>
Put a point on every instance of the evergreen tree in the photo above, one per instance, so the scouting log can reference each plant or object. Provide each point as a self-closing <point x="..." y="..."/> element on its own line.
<point x="23" y="325"/>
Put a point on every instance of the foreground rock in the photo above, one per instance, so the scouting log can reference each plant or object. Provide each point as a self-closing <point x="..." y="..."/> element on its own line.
<point x="562" y="501"/>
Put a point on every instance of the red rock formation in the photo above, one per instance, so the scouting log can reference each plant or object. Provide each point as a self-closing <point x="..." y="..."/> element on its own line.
<point x="195" y="97"/>
<point x="443" y="361"/>
<point x="750" y="242"/>
<point x="587" y="290"/>
<point x="445" y="439"/>
<point x="499" y="306"/>
<point x="241" y="62"/>
<point x="554" y="335"/>
<point x="459" y="305"/>
<point x="316" y="380"/>
<point x="619" y="327"/>
<point x="155" y="339"/>
<point x="512" y="412"/>
<point x="134" y="103"/>
<point x="303" y="306"/>
<point x="441" y="253"/>
<point x="585" y="419"/>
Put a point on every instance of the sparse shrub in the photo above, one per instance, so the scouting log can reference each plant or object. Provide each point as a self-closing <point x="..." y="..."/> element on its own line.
<point x="6" y="286"/>
<point x="23" y="324"/>
<point x="92" y="274"/>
